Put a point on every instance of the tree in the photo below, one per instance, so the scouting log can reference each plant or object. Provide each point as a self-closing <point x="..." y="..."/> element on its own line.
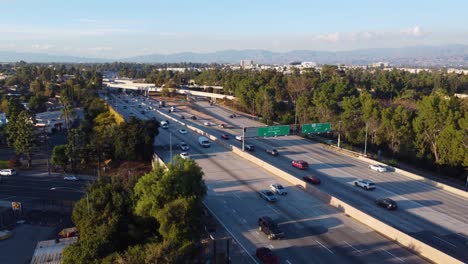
<point x="37" y="103"/>
<point x="266" y="104"/>
<point x="434" y="114"/>
<point x="396" y="128"/>
<point x="351" y="120"/>
<point x="76" y="148"/>
<point x="59" y="156"/>
<point x="22" y="135"/>
<point x="67" y="111"/>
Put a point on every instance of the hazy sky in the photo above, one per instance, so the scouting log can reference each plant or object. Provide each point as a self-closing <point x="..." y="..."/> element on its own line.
<point x="117" y="29"/>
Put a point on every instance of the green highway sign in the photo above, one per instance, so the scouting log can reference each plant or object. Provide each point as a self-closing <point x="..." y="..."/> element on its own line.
<point x="273" y="131"/>
<point x="316" y="128"/>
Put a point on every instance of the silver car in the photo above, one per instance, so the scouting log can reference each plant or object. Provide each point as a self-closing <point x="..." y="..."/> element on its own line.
<point x="268" y="195"/>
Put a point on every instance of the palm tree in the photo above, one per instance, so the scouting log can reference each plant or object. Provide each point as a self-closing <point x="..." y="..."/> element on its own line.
<point x="67" y="111"/>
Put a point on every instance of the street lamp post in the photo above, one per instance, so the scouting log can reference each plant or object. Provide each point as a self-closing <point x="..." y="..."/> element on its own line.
<point x="365" y="142"/>
<point x="87" y="196"/>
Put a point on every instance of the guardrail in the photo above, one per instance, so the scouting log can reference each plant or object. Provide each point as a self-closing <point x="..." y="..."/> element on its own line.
<point x="392" y="233"/>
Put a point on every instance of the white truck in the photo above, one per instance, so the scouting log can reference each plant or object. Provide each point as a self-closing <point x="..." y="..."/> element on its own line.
<point x="204" y="142"/>
<point x="164" y="124"/>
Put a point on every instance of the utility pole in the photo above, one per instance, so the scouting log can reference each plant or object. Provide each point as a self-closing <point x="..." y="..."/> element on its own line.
<point x="243" y="138"/>
<point x="170" y="146"/>
<point x="339" y="133"/>
<point x="365" y="142"/>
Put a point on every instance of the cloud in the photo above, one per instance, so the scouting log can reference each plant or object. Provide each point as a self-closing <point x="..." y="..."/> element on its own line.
<point x="101" y="49"/>
<point x="42" y="46"/>
<point x="332" y="37"/>
<point x="415" y="31"/>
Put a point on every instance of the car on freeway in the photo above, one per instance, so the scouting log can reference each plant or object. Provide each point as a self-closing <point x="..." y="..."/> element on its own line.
<point x="300" y="164"/>
<point x="378" y="168"/>
<point x="278" y="189"/>
<point x="185" y="155"/>
<point x="387" y="203"/>
<point x="272" y="152"/>
<point x="183" y="131"/>
<point x="193" y="117"/>
<point x="70" y="178"/>
<point x="365" y="184"/>
<point x="7" y="172"/>
<point x="266" y="256"/>
<point x="183" y="146"/>
<point x="268" y="195"/>
<point x="249" y="147"/>
<point x="269" y="227"/>
<point x="222" y="126"/>
<point x="311" y="179"/>
<point x="239" y="138"/>
<point x="207" y="123"/>
<point x="225" y="136"/>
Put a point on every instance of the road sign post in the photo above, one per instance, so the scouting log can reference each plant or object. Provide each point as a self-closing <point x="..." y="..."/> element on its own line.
<point x="316" y="128"/>
<point x="273" y="131"/>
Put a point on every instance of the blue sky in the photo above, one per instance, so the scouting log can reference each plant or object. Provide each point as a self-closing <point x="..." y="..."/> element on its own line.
<point x="116" y="29"/>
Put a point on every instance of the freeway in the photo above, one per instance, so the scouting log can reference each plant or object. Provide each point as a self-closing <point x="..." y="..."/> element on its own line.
<point x="315" y="232"/>
<point x="432" y="215"/>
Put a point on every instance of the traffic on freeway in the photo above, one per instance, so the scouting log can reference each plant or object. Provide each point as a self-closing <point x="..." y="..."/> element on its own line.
<point x="313" y="231"/>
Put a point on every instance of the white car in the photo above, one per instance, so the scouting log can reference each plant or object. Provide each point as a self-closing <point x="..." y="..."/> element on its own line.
<point x="378" y="168"/>
<point x="239" y="138"/>
<point x="7" y="172"/>
<point x="278" y="188"/>
<point x="185" y="155"/>
<point x="70" y="178"/>
<point x="183" y="146"/>
<point x="208" y="124"/>
<point x="365" y="184"/>
<point x="183" y="131"/>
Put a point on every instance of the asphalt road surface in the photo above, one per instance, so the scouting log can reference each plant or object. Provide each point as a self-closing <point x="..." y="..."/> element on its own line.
<point x="430" y="214"/>
<point x="315" y="232"/>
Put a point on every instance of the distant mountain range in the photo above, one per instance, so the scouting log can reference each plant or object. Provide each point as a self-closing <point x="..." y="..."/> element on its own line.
<point x="448" y="55"/>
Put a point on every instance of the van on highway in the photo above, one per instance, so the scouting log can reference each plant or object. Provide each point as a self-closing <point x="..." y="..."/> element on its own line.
<point x="204" y="142"/>
<point x="164" y="124"/>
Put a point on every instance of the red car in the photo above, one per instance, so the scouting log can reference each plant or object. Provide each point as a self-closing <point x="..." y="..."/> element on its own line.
<point x="266" y="256"/>
<point x="300" y="164"/>
<point x="311" y="179"/>
<point x="225" y="136"/>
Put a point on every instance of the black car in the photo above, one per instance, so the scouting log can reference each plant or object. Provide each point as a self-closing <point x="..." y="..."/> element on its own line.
<point x="272" y="152"/>
<point x="269" y="227"/>
<point x="193" y="117"/>
<point x="387" y="203"/>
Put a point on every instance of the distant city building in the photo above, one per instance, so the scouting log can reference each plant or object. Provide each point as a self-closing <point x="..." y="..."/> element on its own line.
<point x="381" y="65"/>
<point x="308" y="64"/>
<point x="246" y="63"/>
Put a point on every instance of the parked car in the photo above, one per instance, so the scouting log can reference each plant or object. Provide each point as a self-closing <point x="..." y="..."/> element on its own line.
<point x="8" y="172"/>
<point x="268" y="195"/>
<point x="225" y="136"/>
<point x="272" y="152"/>
<point x="249" y="147"/>
<point x="266" y="256"/>
<point x="378" y="168"/>
<point x="185" y="155"/>
<point x="269" y="227"/>
<point x="278" y="188"/>
<point x="365" y="184"/>
<point x="300" y="164"/>
<point x="183" y="146"/>
<point x="182" y="131"/>
<point x="70" y="178"/>
<point x="311" y="179"/>
<point x="387" y="203"/>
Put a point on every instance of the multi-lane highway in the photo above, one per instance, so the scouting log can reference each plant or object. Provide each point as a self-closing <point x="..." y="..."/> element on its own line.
<point x="315" y="232"/>
<point x="430" y="214"/>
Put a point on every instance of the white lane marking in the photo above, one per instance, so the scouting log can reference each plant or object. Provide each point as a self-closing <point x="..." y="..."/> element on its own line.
<point x="271" y="246"/>
<point x="287" y="261"/>
<point x="445" y="241"/>
<point x="243" y="220"/>
<point x="393" y="255"/>
<point x="234" y="211"/>
<point x="273" y="209"/>
<point x="236" y="195"/>
<point x="324" y="246"/>
<point x="229" y="231"/>
<point x="355" y="249"/>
